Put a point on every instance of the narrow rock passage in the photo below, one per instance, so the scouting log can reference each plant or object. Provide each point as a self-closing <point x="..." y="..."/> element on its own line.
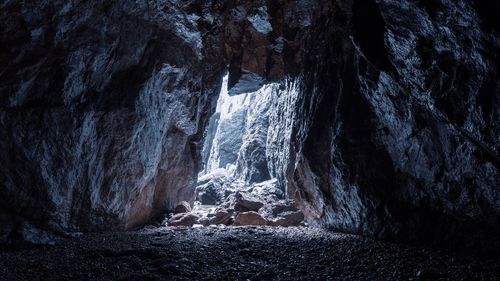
<point x="238" y="253"/>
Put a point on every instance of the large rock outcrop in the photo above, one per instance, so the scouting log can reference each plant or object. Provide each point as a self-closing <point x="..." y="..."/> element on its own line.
<point x="101" y="109"/>
<point x="397" y="133"/>
<point x="103" y="104"/>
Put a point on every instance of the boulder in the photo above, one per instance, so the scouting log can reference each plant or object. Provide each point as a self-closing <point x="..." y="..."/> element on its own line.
<point x="249" y="218"/>
<point x="222" y="216"/>
<point x="183" y="219"/>
<point x="293" y="218"/>
<point x="245" y="201"/>
<point x="268" y="190"/>
<point x="282" y="213"/>
<point x="210" y="193"/>
<point x="204" y="221"/>
<point x="276" y="207"/>
<point x="183" y="207"/>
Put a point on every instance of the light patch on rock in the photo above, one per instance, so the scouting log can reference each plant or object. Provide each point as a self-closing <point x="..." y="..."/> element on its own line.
<point x="260" y="21"/>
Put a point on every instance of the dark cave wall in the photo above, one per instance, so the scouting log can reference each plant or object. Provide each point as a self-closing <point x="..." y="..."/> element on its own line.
<point x="393" y="132"/>
<point x="399" y="142"/>
<point x="101" y="108"/>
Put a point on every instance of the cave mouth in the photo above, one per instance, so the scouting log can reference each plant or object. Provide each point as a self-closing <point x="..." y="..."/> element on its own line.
<point x="236" y="184"/>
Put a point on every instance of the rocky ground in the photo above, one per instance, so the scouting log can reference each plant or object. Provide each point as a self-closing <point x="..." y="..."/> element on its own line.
<point x="222" y="200"/>
<point x="238" y="253"/>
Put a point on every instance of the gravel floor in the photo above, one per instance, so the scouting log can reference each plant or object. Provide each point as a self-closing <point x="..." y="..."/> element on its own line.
<point x="238" y="253"/>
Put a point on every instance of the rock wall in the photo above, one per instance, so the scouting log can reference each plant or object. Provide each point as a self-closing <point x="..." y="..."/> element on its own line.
<point x="226" y="129"/>
<point x="398" y="134"/>
<point x="101" y="111"/>
<point x="390" y="128"/>
<point x="237" y="134"/>
<point x="103" y="104"/>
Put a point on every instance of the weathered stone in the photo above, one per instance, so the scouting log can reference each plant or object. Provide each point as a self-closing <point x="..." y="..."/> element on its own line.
<point x="282" y="213"/>
<point x="276" y="207"/>
<point x="97" y="112"/>
<point x="290" y="218"/>
<point x="269" y="190"/>
<point x="386" y="125"/>
<point x="183" y="207"/>
<point x="205" y="221"/>
<point x="210" y="193"/>
<point x="183" y="219"/>
<point x="243" y="201"/>
<point x="221" y="216"/>
<point x="227" y="140"/>
<point x="251" y="165"/>
<point x="249" y="218"/>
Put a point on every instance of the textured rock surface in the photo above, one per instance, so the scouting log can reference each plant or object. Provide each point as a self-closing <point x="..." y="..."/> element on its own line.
<point x="249" y="218"/>
<point x="237" y="135"/>
<point x="268" y="190"/>
<point x="244" y="201"/>
<point x="183" y="219"/>
<point x="211" y="190"/>
<point x="182" y="207"/>
<point x="397" y="135"/>
<point x="282" y="213"/>
<point x="287" y="219"/>
<point x="228" y="140"/>
<point x="221" y="216"/>
<point x="99" y="111"/>
<point x="251" y="165"/>
<point x="385" y="121"/>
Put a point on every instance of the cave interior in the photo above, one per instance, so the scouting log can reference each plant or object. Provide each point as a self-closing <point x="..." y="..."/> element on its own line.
<point x="250" y="140"/>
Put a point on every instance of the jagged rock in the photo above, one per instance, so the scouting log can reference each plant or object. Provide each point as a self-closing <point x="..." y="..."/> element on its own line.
<point x="386" y="125"/>
<point x="213" y="188"/>
<point x="183" y="219"/>
<point x="248" y="82"/>
<point x="97" y="123"/>
<point x="227" y="140"/>
<point x="205" y="221"/>
<point x="276" y="207"/>
<point x="290" y="218"/>
<point x="251" y="165"/>
<point x="220" y="174"/>
<point x="249" y="218"/>
<point x="405" y="151"/>
<point x="243" y="201"/>
<point x="222" y="216"/>
<point x="269" y="190"/>
<point x="282" y="213"/>
<point x="183" y="207"/>
<point x="211" y="130"/>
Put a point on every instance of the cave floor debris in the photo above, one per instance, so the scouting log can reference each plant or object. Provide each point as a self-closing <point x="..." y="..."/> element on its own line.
<point x="238" y="253"/>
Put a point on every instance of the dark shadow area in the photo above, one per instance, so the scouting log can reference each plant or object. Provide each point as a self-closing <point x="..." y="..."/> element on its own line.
<point x="243" y="253"/>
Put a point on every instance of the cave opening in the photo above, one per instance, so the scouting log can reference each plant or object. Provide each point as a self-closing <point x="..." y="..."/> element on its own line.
<point x="240" y="181"/>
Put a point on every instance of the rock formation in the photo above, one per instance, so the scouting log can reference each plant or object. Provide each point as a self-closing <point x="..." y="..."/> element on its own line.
<point x="102" y="107"/>
<point x="385" y="120"/>
<point x="398" y="135"/>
